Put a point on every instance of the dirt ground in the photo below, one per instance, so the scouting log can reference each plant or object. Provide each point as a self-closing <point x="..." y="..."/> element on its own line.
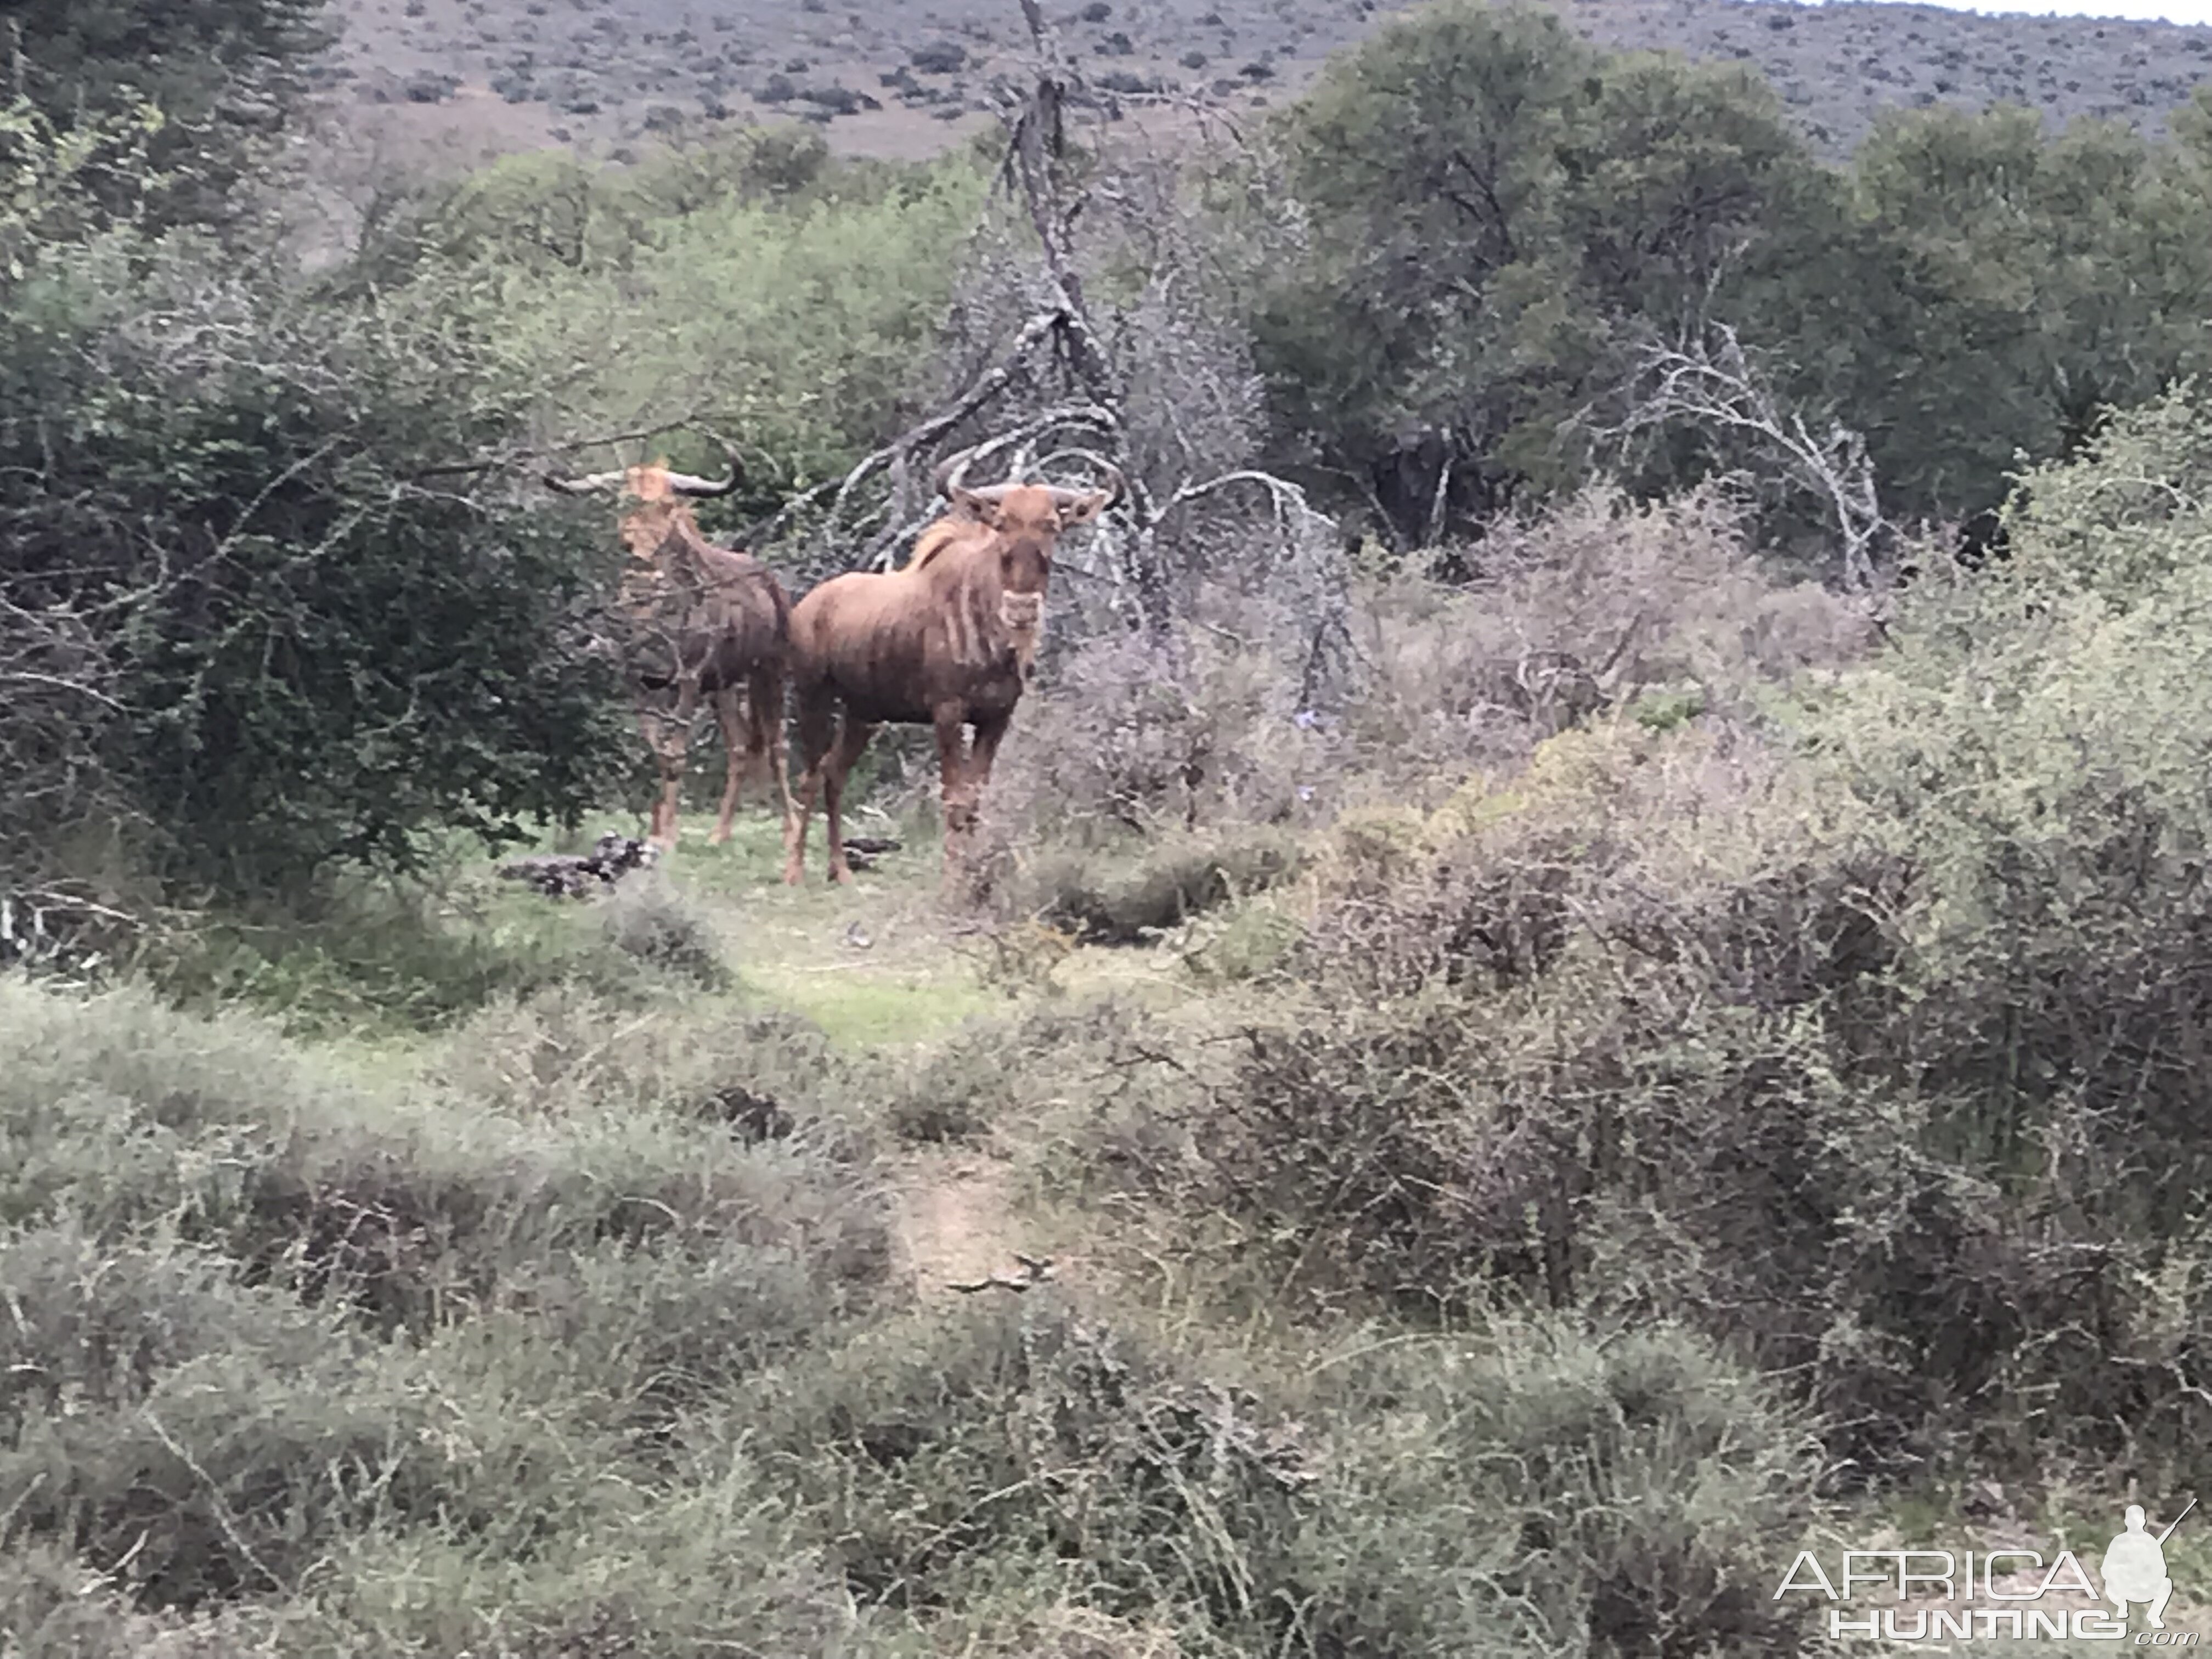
<point x="464" y="79"/>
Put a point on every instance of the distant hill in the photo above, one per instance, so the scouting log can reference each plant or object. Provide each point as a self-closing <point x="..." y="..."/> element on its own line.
<point x="904" y="77"/>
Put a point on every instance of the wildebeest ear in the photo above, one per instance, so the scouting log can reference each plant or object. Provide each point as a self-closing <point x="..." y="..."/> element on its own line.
<point x="983" y="509"/>
<point x="1082" y="509"/>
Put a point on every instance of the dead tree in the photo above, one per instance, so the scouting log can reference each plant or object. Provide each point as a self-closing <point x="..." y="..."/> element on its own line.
<point x="1708" y="382"/>
<point x="1054" y="393"/>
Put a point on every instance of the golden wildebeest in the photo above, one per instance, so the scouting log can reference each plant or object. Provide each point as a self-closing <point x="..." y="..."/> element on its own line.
<point x="697" y="620"/>
<point x="947" y="641"/>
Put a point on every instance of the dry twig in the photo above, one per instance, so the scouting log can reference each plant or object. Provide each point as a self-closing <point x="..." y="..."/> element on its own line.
<point x="1034" y="1271"/>
<point x="1709" y="381"/>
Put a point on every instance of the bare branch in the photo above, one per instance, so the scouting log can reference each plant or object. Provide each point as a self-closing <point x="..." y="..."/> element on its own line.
<point x="542" y="452"/>
<point x="901" y="453"/>
<point x="1709" y="382"/>
<point x="1034" y="1271"/>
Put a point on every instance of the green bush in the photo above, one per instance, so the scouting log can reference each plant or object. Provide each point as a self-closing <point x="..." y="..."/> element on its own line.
<point x="961" y="1090"/>
<point x="798" y="322"/>
<point x="1599" y="1494"/>
<point x="1248" y="941"/>
<point x="360" y="957"/>
<point x="547" y="209"/>
<point x="304" y="645"/>
<point x="1453" y="1498"/>
<point x="2038" y="743"/>
<point x="410" y="1204"/>
<point x="53" y="1605"/>
<point x="219" y="1435"/>
<point x="569" y="1048"/>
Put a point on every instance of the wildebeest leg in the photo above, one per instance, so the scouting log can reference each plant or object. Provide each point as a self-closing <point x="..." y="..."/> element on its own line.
<point x="648" y="728"/>
<point x="974" y="780"/>
<point x="668" y="735"/>
<point x="676" y="757"/>
<point x="988" y="735"/>
<point x="764" y="700"/>
<point x="852" y="741"/>
<point x="817" y="725"/>
<point x="739" y="747"/>
<point x="952" y="785"/>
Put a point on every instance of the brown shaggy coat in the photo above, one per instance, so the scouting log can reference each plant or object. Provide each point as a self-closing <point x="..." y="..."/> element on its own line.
<point x="697" y="621"/>
<point x="947" y="641"/>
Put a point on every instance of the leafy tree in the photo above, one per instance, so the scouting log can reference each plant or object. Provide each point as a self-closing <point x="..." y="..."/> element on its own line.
<point x="227" y="75"/>
<point x="1497" y="212"/>
<point x="1493" y="203"/>
<point x="551" y="209"/>
<point x="42" y="168"/>
<point x="750" y="288"/>
<point x="1984" y="290"/>
<point x="298" y="641"/>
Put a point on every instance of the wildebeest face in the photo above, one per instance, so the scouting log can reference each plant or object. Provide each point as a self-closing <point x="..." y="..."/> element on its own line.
<point x="1025" y="520"/>
<point x="1028" y="520"/>
<point x="645" y="529"/>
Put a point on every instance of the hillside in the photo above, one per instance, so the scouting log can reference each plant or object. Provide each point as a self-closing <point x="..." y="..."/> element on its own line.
<point x="906" y="79"/>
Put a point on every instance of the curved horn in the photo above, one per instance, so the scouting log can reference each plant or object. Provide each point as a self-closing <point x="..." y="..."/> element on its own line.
<point x="685" y="485"/>
<point x="949" y="471"/>
<point x="584" y="485"/>
<point x="1116" y="487"/>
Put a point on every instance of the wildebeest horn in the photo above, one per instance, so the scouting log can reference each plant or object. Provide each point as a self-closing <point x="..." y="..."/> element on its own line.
<point x="1117" y="485"/>
<point x="685" y="485"/>
<point x="946" y="477"/>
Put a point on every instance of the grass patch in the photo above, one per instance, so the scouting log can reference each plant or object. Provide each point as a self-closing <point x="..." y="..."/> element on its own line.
<point x="406" y="1200"/>
<point x="379" y="963"/>
<point x="864" y="1010"/>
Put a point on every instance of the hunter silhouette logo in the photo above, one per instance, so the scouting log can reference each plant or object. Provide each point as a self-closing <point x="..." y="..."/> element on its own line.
<point x="1999" y="1594"/>
<point x="2135" y="1565"/>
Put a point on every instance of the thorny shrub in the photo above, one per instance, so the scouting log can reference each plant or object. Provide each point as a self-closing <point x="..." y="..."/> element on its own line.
<point x="1699" y="847"/>
<point x="405" y="1203"/>
<point x="1865" y="1034"/>
<point x="648" y="920"/>
<point x="1581" y="609"/>
<point x="1581" y="612"/>
<point x="563" y="1051"/>
<point x="1028" y="1447"/>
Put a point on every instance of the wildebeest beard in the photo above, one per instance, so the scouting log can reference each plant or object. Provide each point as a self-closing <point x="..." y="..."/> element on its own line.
<point x="1022" y="616"/>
